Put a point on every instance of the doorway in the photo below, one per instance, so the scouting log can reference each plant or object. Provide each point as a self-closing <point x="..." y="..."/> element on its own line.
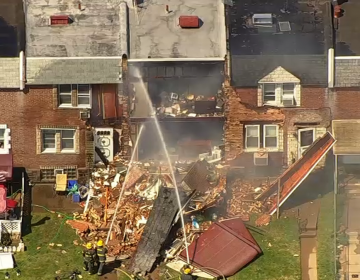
<point x="306" y="137"/>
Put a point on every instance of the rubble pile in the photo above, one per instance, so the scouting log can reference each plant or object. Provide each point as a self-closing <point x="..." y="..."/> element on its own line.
<point x="243" y="202"/>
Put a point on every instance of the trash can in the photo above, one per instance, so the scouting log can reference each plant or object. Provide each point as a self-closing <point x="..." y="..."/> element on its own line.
<point x="76" y="198"/>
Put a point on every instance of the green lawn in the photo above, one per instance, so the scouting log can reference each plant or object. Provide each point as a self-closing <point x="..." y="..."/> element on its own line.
<point x="281" y="247"/>
<point x="325" y="238"/>
<point x="41" y="264"/>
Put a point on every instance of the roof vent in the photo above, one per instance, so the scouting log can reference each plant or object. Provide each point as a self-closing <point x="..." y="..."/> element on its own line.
<point x="284" y="26"/>
<point x="59" y="20"/>
<point x="189" y="22"/>
<point x="262" y="19"/>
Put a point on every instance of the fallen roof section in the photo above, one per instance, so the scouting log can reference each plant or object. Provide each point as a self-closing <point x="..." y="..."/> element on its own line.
<point x="156" y="230"/>
<point x="196" y="178"/>
<point x="291" y="179"/>
<point x="226" y="247"/>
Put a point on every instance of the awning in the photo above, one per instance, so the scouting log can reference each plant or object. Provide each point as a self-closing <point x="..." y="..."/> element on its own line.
<point x="226" y="247"/>
<point x="6" y="166"/>
<point x="291" y="179"/>
<point x="347" y="135"/>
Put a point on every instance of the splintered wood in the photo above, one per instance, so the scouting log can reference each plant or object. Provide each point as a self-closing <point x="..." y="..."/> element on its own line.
<point x="242" y="202"/>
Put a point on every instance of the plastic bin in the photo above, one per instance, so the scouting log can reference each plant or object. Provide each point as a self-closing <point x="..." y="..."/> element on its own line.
<point x="76" y="198"/>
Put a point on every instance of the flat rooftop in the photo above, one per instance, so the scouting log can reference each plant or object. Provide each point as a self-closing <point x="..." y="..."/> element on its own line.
<point x="156" y="33"/>
<point x="296" y="28"/>
<point x="347" y="30"/>
<point x="95" y="30"/>
<point x="12" y="26"/>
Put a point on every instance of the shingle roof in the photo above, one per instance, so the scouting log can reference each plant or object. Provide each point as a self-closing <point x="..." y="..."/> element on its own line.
<point x="247" y="70"/>
<point x="73" y="71"/>
<point x="347" y="72"/>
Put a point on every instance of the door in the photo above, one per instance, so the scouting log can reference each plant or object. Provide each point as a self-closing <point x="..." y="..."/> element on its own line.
<point x="306" y="137"/>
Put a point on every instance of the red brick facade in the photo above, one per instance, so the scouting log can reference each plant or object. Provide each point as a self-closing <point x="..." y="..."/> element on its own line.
<point x="22" y="112"/>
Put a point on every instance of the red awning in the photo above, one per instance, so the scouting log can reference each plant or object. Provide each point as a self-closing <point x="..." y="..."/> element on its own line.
<point x="6" y="166"/>
<point x="226" y="247"/>
<point x="291" y="179"/>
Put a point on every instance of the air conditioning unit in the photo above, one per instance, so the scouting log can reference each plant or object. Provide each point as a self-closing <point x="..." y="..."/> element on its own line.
<point x="288" y="100"/>
<point x="261" y="159"/>
<point x="104" y="140"/>
<point x="262" y="19"/>
<point x="58" y="171"/>
<point x="84" y="115"/>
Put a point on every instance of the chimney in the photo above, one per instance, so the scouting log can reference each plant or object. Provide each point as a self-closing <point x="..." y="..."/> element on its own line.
<point x="167" y="8"/>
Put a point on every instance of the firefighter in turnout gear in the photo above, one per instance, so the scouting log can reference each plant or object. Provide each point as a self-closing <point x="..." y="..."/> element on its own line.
<point x="101" y="255"/>
<point x="89" y="255"/>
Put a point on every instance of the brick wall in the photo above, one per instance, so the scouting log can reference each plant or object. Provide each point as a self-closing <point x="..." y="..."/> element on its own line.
<point x="345" y="103"/>
<point x="23" y="112"/>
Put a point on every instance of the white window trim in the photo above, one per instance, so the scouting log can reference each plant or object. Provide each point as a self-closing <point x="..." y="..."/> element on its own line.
<point x="69" y="106"/>
<point x="279" y="93"/>
<point x="246" y="137"/>
<point x="53" y="151"/>
<point x="6" y="139"/>
<point x="300" y="148"/>
<point x="277" y="136"/>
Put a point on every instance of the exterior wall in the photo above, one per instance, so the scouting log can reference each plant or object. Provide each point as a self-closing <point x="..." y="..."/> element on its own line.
<point x="345" y="103"/>
<point x="312" y="113"/>
<point x="25" y="112"/>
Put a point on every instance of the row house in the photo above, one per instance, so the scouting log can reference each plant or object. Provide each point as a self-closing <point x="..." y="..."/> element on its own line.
<point x="277" y="89"/>
<point x="179" y="68"/>
<point x="61" y="94"/>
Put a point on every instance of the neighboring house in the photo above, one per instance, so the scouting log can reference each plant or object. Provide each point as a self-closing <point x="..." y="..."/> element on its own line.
<point x="345" y="89"/>
<point x="181" y="70"/>
<point x="276" y="102"/>
<point x="73" y="77"/>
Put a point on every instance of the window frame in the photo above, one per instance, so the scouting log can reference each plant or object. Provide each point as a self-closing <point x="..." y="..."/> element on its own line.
<point x="58" y="140"/>
<point x="277" y="136"/>
<point x="301" y="149"/>
<point x="76" y="88"/>
<point x="246" y="137"/>
<point x="2" y="138"/>
<point x="264" y="92"/>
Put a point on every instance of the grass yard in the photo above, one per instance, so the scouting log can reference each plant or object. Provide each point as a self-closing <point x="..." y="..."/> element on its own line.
<point x="36" y="264"/>
<point x="281" y="247"/>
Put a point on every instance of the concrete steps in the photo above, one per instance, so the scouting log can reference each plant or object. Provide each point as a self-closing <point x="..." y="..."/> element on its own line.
<point x="309" y="234"/>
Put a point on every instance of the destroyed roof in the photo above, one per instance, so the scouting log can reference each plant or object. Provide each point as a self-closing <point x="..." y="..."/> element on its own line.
<point x="298" y="172"/>
<point x="94" y="29"/>
<point x="196" y="178"/>
<point x="226" y="247"/>
<point x="156" y="230"/>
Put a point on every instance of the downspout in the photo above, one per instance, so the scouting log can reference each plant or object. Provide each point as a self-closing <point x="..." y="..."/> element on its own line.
<point x="21" y="70"/>
<point x="335" y="213"/>
<point x="331" y="68"/>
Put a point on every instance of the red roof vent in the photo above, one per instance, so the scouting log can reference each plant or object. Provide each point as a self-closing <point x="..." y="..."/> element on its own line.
<point x="189" y="21"/>
<point x="59" y="20"/>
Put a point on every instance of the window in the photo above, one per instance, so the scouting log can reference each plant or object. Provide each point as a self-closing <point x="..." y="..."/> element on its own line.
<point x="279" y="94"/>
<point x="261" y="136"/>
<point x="81" y="93"/>
<point x="49" y="174"/>
<point x="306" y="138"/>
<point x="269" y="93"/>
<point x="252" y="136"/>
<point x="2" y="138"/>
<point x="66" y="138"/>
<point x="270" y="136"/>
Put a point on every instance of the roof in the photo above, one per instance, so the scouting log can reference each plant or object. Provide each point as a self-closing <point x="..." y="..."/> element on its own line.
<point x="11" y="28"/>
<point x="226" y="247"/>
<point x="156" y="230"/>
<point x="248" y="70"/>
<point x="45" y="71"/>
<point x="155" y="33"/>
<point x="347" y="72"/>
<point x="95" y="30"/>
<point x="306" y="35"/>
<point x="9" y="72"/>
<point x="291" y="179"/>
<point x="196" y="178"/>
<point x="349" y="24"/>
<point x="347" y="134"/>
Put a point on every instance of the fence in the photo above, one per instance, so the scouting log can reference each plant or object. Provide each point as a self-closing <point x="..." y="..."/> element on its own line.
<point x="12" y="227"/>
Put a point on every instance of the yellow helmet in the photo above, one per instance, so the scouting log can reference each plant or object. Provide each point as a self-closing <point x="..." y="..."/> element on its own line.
<point x="187" y="270"/>
<point x="100" y="243"/>
<point x="88" y="245"/>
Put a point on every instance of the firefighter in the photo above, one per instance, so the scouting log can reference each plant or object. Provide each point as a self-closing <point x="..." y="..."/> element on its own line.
<point x="186" y="273"/>
<point x="101" y="255"/>
<point x="89" y="255"/>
